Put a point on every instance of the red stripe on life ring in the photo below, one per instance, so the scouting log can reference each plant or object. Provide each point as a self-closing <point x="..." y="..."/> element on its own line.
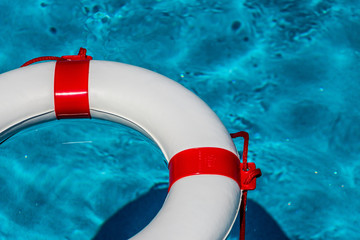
<point x="71" y="89"/>
<point x="198" y="161"/>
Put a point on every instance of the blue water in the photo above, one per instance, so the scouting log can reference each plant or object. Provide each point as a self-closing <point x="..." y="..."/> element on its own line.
<point x="285" y="71"/>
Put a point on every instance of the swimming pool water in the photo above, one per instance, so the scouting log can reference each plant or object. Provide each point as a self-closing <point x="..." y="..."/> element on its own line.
<point x="285" y="71"/>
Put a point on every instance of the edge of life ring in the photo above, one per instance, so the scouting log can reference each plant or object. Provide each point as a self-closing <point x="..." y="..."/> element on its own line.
<point x="204" y="195"/>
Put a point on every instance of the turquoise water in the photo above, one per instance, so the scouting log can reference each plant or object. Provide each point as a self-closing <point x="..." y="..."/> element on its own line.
<point x="285" y="71"/>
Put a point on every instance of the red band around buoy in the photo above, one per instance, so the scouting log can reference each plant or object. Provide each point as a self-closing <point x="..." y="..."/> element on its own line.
<point x="196" y="161"/>
<point x="71" y="89"/>
<point x="71" y="86"/>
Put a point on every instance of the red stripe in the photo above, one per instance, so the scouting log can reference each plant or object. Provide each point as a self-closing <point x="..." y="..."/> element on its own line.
<point x="71" y="89"/>
<point x="197" y="161"/>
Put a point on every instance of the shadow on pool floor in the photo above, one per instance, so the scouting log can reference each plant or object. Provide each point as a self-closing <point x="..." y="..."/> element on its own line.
<point x="134" y="216"/>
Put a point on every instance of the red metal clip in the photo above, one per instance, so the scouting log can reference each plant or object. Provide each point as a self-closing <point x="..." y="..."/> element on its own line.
<point x="248" y="178"/>
<point x="248" y="175"/>
<point x="248" y="171"/>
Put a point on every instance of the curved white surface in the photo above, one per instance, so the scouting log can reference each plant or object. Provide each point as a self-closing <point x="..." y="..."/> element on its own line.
<point x="197" y="207"/>
<point x="201" y="207"/>
<point x="27" y="98"/>
<point x="171" y="115"/>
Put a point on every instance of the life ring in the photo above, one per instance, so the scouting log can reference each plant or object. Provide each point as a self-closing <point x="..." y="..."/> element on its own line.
<point x="200" y="204"/>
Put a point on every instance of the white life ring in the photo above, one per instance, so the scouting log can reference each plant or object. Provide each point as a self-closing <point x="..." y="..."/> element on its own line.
<point x="198" y="206"/>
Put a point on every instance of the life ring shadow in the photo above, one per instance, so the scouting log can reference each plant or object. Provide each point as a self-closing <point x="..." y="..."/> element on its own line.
<point x="134" y="216"/>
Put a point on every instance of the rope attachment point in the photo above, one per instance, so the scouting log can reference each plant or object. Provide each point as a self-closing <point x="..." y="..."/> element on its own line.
<point x="80" y="56"/>
<point x="248" y="171"/>
<point x="248" y="175"/>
